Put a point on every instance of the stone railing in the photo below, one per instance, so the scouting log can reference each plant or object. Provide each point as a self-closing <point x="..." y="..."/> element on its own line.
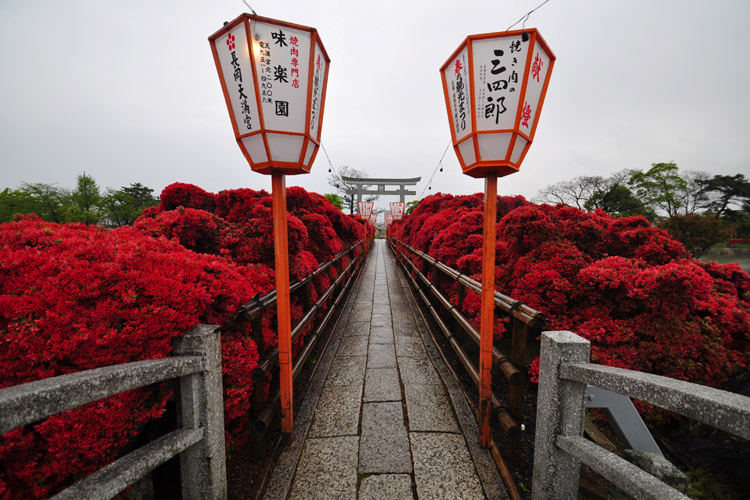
<point x="196" y="361"/>
<point x="560" y="446"/>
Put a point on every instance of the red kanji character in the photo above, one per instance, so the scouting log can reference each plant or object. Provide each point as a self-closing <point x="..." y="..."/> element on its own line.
<point x="295" y="62"/>
<point x="536" y="67"/>
<point x="294" y="41"/>
<point x="295" y="83"/>
<point x="317" y="63"/>
<point x="295" y="72"/>
<point x="526" y="114"/>
<point x="459" y="66"/>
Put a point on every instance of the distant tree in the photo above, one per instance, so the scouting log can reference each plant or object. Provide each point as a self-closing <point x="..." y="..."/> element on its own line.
<point x="86" y="200"/>
<point x="411" y="205"/>
<point x="335" y="200"/>
<point x="49" y="202"/>
<point x="15" y="201"/>
<point x="660" y="187"/>
<point x="694" y="196"/>
<point x="335" y="179"/>
<point x="123" y="206"/>
<point x="619" y="201"/>
<point x="726" y="193"/>
<point x="696" y="232"/>
<point x="574" y="193"/>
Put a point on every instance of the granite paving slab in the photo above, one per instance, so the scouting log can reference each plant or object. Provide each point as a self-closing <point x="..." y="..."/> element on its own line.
<point x="347" y="370"/>
<point x="404" y="328"/>
<point x="386" y="486"/>
<point x="337" y="413"/>
<point x="384" y="444"/>
<point x="381" y="320"/>
<point x="417" y="371"/>
<point x="353" y="346"/>
<point x="381" y="335"/>
<point x="327" y="469"/>
<point x="361" y="313"/>
<point x="381" y="356"/>
<point x="410" y="347"/>
<point x="382" y="384"/>
<point x="443" y="468"/>
<point x="429" y="409"/>
<point x="356" y="328"/>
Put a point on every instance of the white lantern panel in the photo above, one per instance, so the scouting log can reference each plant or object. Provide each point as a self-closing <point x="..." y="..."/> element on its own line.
<point x="518" y="149"/>
<point x="467" y="151"/>
<point x="498" y="65"/>
<point x="256" y="148"/>
<point x="319" y="73"/>
<point x="456" y="76"/>
<point x="311" y="147"/>
<point x="282" y="61"/>
<point x="537" y="77"/>
<point x="493" y="147"/>
<point x="234" y="59"/>
<point x="285" y="147"/>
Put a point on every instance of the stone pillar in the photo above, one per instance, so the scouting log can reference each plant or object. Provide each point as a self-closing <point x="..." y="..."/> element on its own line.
<point x="203" y="466"/>
<point x="560" y="411"/>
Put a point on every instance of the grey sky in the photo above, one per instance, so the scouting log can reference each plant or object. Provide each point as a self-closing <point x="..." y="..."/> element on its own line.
<point x="128" y="92"/>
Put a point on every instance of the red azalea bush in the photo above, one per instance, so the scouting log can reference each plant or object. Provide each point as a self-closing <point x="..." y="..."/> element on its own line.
<point x="75" y="297"/>
<point x="627" y="287"/>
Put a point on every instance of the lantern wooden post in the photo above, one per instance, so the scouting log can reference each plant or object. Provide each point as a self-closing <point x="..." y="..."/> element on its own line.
<point x="487" y="313"/>
<point x="277" y="126"/>
<point x="494" y="86"/>
<point x="283" y="300"/>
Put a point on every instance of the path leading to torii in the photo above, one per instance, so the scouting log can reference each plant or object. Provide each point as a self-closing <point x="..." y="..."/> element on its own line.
<point x="383" y="418"/>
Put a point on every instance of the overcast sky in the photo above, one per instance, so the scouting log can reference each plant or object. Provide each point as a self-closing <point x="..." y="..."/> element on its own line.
<point x="128" y="92"/>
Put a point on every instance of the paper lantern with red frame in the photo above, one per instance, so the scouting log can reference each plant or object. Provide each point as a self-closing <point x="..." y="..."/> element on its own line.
<point x="373" y="219"/>
<point x="274" y="76"/>
<point x="397" y="209"/>
<point x="365" y="209"/>
<point x="388" y="219"/>
<point x="494" y="86"/>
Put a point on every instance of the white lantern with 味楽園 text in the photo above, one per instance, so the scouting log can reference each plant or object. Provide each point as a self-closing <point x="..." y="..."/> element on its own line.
<point x="274" y="77"/>
<point x="397" y="209"/>
<point x="494" y="86"/>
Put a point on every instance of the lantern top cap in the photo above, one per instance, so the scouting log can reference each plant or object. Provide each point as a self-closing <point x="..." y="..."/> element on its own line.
<point x="256" y="18"/>
<point x="533" y="34"/>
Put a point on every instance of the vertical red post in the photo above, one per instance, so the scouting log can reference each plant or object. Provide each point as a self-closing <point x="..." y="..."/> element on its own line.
<point x="283" y="315"/>
<point x="488" y="310"/>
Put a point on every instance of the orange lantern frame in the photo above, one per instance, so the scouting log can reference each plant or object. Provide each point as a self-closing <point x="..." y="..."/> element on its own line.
<point x="261" y="158"/>
<point x="398" y="208"/>
<point x="470" y="154"/>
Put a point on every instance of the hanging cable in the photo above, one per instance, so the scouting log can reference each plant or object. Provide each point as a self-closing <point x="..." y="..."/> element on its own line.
<point x="248" y="6"/>
<point x="439" y="166"/>
<point x="524" y="18"/>
<point x="330" y="165"/>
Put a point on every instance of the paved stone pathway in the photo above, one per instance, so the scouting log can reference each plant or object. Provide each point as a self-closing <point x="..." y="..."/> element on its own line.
<point x="383" y="418"/>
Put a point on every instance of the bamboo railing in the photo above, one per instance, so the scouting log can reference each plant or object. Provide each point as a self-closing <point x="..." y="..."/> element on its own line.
<point x="317" y="315"/>
<point x="512" y="361"/>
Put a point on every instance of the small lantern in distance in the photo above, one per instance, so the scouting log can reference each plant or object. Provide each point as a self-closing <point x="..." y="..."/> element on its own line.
<point x="397" y="209"/>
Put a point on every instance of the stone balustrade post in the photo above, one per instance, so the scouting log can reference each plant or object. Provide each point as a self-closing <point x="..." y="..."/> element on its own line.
<point x="203" y="466"/>
<point x="560" y="411"/>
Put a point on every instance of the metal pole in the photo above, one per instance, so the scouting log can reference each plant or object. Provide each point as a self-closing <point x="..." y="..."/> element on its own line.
<point x="487" y="311"/>
<point x="283" y="315"/>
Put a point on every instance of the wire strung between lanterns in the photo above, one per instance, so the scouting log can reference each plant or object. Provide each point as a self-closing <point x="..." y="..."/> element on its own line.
<point x="524" y="18"/>
<point x="330" y="165"/>
<point x="248" y="6"/>
<point x="439" y="166"/>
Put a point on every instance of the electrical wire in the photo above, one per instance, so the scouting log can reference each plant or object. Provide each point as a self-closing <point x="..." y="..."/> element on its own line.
<point x="524" y="18"/>
<point x="429" y="183"/>
<point x="330" y="165"/>
<point x="248" y="6"/>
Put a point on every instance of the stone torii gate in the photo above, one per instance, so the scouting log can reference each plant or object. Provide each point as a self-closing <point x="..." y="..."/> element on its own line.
<point x="360" y="182"/>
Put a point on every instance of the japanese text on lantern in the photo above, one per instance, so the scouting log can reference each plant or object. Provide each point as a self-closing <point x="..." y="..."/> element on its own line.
<point x="245" y="108"/>
<point x="503" y="67"/>
<point x="456" y="78"/>
<point x="316" y="85"/>
<point x="264" y="64"/>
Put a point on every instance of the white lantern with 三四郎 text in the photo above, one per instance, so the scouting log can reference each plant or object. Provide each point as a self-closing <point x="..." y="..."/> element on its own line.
<point x="274" y="77"/>
<point x="494" y="86"/>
